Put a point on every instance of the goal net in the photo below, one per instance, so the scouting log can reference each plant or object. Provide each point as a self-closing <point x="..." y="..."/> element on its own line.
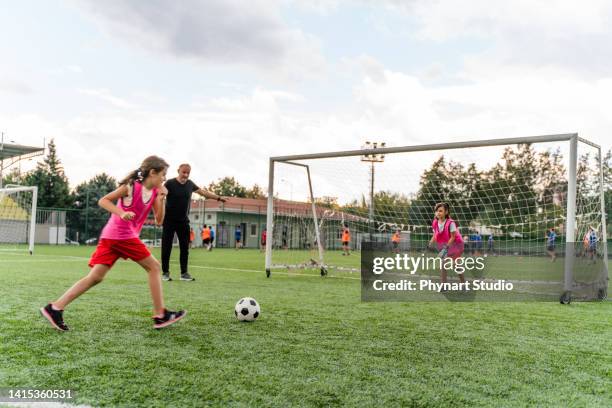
<point x="533" y="207"/>
<point x="17" y="218"/>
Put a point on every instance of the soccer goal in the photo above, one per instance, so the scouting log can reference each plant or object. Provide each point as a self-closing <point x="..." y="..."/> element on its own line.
<point x="532" y="205"/>
<point x="18" y="218"/>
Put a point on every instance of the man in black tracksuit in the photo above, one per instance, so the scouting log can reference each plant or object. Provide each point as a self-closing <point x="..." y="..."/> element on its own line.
<point x="176" y="220"/>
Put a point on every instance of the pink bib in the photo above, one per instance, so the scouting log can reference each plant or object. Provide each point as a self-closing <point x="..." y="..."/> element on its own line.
<point x="445" y="235"/>
<point x="117" y="228"/>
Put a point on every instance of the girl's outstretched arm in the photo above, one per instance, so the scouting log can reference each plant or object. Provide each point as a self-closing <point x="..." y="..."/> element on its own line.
<point x="159" y="205"/>
<point x="108" y="202"/>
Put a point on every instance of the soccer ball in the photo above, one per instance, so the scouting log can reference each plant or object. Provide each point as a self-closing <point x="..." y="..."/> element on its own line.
<point x="247" y="309"/>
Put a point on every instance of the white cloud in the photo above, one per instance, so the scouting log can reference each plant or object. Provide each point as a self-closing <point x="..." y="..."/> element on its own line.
<point x="561" y="33"/>
<point x="14" y="86"/>
<point x="214" y="32"/>
<point x="76" y="69"/>
<point x="105" y="95"/>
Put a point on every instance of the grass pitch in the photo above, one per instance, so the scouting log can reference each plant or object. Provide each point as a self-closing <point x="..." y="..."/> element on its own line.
<point x="315" y="343"/>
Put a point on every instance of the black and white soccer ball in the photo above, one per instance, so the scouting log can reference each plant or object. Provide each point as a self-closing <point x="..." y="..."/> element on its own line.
<point x="247" y="309"/>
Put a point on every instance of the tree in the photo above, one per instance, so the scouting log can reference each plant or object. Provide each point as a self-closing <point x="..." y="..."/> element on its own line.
<point x="391" y="208"/>
<point x="228" y="187"/>
<point x="52" y="183"/>
<point x="13" y="177"/>
<point x="255" y="192"/>
<point x="434" y="188"/>
<point x="90" y="220"/>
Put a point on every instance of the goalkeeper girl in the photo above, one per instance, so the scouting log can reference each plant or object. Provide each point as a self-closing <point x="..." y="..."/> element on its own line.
<point x="138" y="193"/>
<point x="446" y="237"/>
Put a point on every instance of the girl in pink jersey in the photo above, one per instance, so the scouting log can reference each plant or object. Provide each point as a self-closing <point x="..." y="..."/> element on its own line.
<point x="447" y="238"/>
<point x="138" y="193"/>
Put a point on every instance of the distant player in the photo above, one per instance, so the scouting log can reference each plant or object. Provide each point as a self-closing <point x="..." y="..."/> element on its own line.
<point x="191" y="237"/>
<point x="264" y="236"/>
<point x="284" y="235"/>
<point x="346" y="240"/>
<point x="238" y="237"/>
<point x="551" y="237"/>
<point x="395" y="241"/>
<point x="490" y="244"/>
<point x="592" y="244"/>
<point x="477" y="239"/>
<point x="206" y="237"/>
<point x="446" y="237"/>
<point x="212" y="238"/>
<point x="130" y="204"/>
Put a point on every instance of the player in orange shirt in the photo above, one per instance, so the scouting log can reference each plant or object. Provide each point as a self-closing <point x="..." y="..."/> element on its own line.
<point x="206" y="237"/>
<point x="191" y="237"/>
<point x="395" y="241"/>
<point x="346" y="240"/>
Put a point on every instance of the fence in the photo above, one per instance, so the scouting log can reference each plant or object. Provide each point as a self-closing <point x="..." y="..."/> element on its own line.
<point x="60" y="226"/>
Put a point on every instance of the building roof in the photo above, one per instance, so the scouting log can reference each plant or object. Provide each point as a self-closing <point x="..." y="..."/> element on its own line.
<point x="10" y="150"/>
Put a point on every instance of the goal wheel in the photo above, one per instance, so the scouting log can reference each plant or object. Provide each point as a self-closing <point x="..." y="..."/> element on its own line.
<point x="565" y="298"/>
<point x="268" y="273"/>
<point x="323" y="271"/>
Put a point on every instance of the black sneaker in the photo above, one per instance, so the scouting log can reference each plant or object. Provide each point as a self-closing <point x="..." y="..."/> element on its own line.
<point x="55" y="317"/>
<point x="186" y="277"/>
<point x="168" y="318"/>
<point x="166" y="277"/>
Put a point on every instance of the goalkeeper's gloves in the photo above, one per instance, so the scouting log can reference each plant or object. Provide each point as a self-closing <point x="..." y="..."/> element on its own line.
<point x="443" y="252"/>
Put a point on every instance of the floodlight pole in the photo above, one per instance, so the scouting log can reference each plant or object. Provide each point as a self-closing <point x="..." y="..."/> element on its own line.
<point x="372" y="193"/>
<point x="372" y="158"/>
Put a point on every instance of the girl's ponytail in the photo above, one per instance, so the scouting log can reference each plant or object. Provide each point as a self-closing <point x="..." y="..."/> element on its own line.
<point x="150" y="163"/>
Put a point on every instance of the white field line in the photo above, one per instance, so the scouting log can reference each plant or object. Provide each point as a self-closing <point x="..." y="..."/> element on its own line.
<point x="38" y="260"/>
<point x="273" y="272"/>
<point x="63" y="258"/>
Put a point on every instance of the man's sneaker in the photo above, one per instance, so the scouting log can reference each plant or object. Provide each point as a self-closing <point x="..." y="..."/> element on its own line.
<point x="166" y="277"/>
<point x="186" y="277"/>
<point x="168" y="318"/>
<point x="54" y="317"/>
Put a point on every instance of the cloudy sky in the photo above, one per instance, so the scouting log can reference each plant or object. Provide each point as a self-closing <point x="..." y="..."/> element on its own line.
<point x="224" y="84"/>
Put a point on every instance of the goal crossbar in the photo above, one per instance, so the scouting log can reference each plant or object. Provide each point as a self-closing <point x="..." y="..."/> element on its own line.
<point x="563" y="137"/>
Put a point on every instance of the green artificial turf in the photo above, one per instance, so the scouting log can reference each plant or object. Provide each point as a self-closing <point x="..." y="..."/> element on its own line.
<point x="315" y="343"/>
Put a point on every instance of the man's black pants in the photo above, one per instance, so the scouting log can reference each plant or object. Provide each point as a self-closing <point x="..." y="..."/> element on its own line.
<point x="182" y="232"/>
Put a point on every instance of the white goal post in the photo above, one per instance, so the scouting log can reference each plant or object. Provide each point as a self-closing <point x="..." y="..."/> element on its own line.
<point x="302" y="220"/>
<point x="18" y="216"/>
